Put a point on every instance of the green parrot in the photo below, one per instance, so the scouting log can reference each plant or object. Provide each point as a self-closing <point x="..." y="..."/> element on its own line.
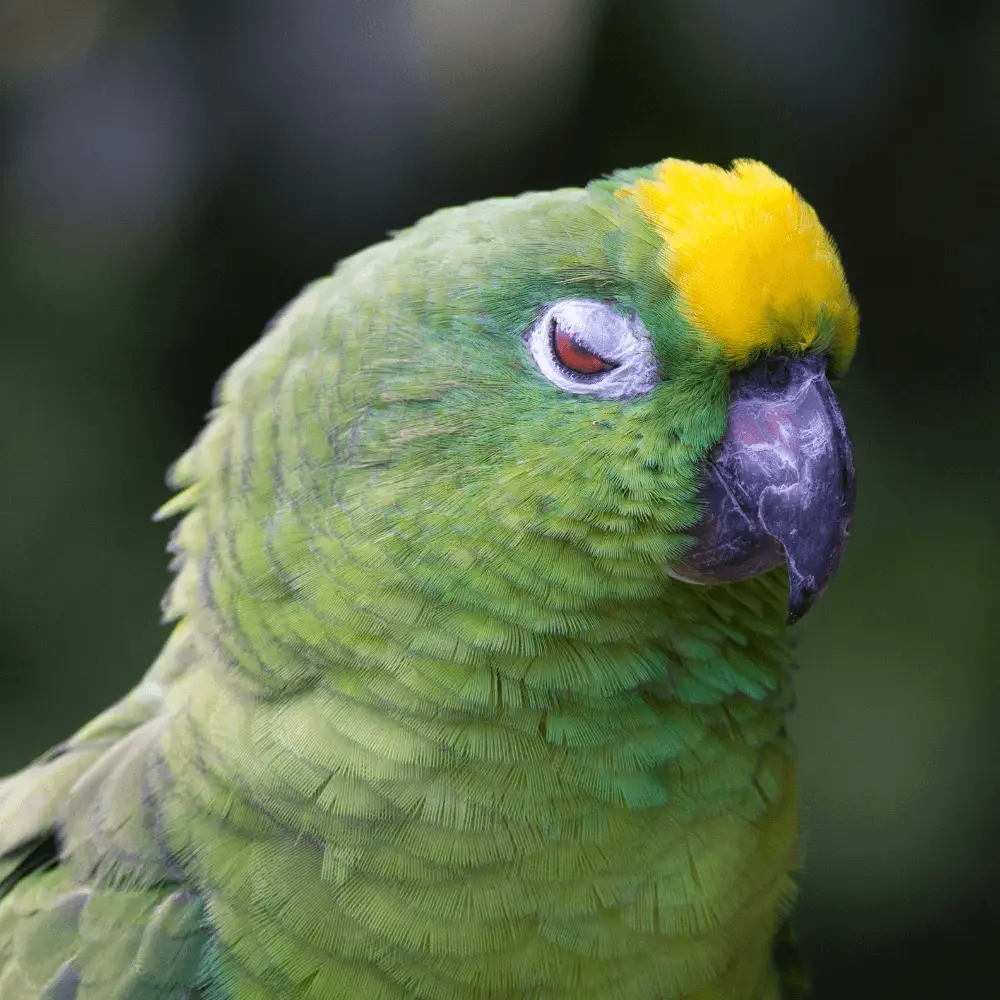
<point x="478" y="673"/>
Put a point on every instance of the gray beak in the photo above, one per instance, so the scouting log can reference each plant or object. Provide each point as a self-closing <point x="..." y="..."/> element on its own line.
<point x="780" y="484"/>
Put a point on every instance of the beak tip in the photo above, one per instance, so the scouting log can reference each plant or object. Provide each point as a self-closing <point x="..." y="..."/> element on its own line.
<point x="800" y="599"/>
<point x="795" y="614"/>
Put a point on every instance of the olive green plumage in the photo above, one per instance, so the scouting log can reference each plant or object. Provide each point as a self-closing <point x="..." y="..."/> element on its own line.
<point x="433" y="721"/>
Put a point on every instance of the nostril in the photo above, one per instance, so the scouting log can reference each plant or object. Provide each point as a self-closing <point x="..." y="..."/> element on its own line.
<point x="777" y="372"/>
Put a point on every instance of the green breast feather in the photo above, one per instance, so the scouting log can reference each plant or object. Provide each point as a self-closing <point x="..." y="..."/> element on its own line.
<point x="477" y="677"/>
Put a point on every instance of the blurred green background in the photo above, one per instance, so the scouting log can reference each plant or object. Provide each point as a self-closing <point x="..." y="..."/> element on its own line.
<point x="172" y="173"/>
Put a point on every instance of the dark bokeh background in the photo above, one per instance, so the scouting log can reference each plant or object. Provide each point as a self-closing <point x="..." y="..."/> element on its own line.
<point x="171" y="173"/>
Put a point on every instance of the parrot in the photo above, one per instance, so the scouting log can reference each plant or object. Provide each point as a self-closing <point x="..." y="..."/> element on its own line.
<point x="479" y="661"/>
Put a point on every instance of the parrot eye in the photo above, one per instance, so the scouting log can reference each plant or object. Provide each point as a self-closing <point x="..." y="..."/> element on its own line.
<point x="574" y="356"/>
<point x="593" y="348"/>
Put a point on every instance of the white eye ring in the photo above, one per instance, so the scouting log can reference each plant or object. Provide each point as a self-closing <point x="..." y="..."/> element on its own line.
<point x="605" y="331"/>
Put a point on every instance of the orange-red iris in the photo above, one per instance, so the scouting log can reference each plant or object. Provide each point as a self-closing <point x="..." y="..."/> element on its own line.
<point x="577" y="358"/>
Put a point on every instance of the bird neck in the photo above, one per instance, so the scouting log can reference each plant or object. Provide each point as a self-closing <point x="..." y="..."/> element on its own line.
<point x="576" y="816"/>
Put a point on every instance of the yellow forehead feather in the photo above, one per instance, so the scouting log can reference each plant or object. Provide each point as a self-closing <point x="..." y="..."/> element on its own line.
<point x="752" y="264"/>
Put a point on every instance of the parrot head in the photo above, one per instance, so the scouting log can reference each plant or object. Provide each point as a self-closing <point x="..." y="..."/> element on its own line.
<point x="523" y="417"/>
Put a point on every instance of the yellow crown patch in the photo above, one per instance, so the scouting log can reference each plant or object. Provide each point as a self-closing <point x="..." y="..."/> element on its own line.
<point x="752" y="264"/>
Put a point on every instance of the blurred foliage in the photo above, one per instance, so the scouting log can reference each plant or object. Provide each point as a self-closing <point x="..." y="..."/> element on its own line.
<point x="171" y="173"/>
